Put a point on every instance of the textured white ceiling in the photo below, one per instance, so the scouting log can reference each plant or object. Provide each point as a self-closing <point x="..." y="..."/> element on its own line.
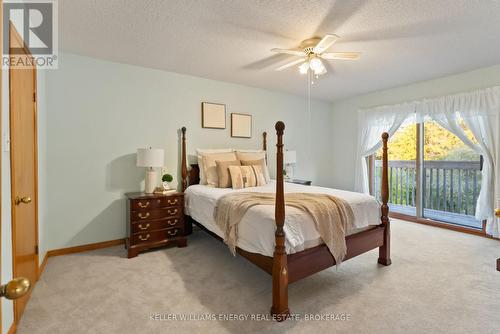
<point x="401" y="41"/>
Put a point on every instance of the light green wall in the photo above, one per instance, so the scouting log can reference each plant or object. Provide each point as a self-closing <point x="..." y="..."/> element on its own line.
<point x="345" y="127"/>
<point x="100" y="112"/>
<point x="42" y="165"/>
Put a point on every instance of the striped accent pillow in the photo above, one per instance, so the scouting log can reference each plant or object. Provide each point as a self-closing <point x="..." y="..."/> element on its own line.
<point x="246" y="176"/>
<point x="262" y="163"/>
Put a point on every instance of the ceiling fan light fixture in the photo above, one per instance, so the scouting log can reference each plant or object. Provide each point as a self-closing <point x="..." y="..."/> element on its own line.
<point x="320" y="71"/>
<point x="304" y="67"/>
<point x="315" y="64"/>
<point x="312" y="51"/>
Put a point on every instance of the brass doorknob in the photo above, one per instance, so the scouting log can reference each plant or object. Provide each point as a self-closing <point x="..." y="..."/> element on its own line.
<point x="497" y="213"/>
<point x="16" y="288"/>
<point x="25" y="200"/>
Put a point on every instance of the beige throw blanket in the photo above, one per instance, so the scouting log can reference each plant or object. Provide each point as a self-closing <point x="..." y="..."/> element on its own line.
<point x="332" y="216"/>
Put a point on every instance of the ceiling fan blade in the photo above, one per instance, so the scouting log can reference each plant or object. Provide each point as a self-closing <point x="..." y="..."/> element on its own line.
<point x="290" y="64"/>
<point x="341" y="55"/>
<point x="289" y="52"/>
<point x="325" y="43"/>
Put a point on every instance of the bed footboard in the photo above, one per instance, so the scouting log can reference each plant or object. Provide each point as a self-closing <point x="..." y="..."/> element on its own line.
<point x="280" y="271"/>
<point x="384" y="252"/>
<point x="280" y="310"/>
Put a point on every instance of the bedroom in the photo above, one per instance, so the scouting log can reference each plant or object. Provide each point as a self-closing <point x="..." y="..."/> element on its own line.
<point x="131" y="74"/>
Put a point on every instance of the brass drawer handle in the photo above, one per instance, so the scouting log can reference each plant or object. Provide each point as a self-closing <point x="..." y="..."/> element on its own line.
<point x="172" y="223"/>
<point x="172" y="213"/>
<point x="143" y="217"/>
<point x="172" y="202"/>
<point x="144" y="238"/>
<point x="141" y="205"/>
<point x="144" y="227"/>
<point x="172" y="233"/>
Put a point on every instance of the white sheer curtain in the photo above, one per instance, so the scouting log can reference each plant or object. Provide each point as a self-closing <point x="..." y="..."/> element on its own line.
<point x="479" y="111"/>
<point x="372" y="123"/>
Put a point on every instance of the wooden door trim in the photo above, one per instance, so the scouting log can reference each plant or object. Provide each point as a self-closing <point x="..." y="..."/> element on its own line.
<point x="1" y="148"/>
<point x="13" y="32"/>
<point x="18" y="39"/>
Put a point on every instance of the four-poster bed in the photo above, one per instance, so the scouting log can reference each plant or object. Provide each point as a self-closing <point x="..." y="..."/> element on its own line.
<point x="288" y="268"/>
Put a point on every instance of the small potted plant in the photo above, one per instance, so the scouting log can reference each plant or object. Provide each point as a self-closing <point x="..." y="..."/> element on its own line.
<point x="166" y="179"/>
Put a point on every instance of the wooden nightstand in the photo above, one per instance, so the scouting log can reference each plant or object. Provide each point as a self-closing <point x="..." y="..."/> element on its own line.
<point x="297" y="181"/>
<point x="154" y="220"/>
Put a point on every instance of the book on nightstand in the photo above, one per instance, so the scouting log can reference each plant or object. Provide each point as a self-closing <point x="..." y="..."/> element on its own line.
<point x="161" y="191"/>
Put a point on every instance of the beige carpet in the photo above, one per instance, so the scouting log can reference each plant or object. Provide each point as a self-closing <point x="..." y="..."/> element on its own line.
<point x="440" y="282"/>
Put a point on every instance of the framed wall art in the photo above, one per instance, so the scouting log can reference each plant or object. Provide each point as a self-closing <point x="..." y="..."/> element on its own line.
<point x="241" y="125"/>
<point x="213" y="115"/>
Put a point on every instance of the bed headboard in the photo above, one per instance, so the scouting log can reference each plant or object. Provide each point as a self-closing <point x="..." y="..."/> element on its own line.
<point x="192" y="175"/>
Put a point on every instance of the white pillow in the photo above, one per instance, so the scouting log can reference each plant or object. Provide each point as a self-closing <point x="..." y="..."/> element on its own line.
<point x="254" y="155"/>
<point x="200" y="152"/>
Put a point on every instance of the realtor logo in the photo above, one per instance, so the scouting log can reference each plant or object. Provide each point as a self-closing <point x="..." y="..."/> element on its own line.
<point x="35" y="22"/>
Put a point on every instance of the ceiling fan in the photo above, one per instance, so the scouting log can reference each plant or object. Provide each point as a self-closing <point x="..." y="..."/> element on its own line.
<point x="312" y="51"/>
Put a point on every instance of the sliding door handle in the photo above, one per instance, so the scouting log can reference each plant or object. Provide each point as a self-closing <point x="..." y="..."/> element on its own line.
<point x="16" y="288"/>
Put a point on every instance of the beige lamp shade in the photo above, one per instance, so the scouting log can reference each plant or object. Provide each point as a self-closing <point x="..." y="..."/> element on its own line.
<point x="290" y="157"/>
<point x="150" y="157"/>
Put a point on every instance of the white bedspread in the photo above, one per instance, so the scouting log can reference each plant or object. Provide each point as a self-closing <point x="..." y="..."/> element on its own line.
<point x="256" y="230"/>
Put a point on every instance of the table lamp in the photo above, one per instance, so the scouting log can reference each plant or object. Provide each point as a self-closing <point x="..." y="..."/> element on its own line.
<point x="150" y="158"/>
<point x="290" y="158"/>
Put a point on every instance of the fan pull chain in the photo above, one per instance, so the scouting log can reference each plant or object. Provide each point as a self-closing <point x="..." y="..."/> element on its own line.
<point x="309" y="83"/>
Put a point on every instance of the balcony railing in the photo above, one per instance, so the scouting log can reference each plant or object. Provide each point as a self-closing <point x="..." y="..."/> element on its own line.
<point x="450" y="188"/>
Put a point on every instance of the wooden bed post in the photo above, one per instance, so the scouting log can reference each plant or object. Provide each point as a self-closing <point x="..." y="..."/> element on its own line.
<point x="280" y="310"/>
<point x="384" y="252"/>
<point x="183" y="160"/>
<point x="264" y="143"/>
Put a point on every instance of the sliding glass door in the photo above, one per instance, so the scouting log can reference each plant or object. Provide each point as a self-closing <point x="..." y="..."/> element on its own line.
<point x="432" y="175"/>
<point x="452" y="177"/>
<point x="402" y="170"/>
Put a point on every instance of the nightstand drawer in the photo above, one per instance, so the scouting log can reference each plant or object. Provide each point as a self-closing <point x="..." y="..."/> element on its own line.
<point x="145" y="215"/>
<point x="175" y="232"/>
<point x="153" y="225"/>
<point x="155" y="236"/>
<point x="152" y="203"/>
<point x="148" y="237"/>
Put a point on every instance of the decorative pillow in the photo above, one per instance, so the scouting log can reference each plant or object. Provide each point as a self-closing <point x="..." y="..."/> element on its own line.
<point x="261" y="163"/>
<point x="211" y="167"/>
<point x="250" y="155"/>
<point x="223" y="172"/>
<point x="246" y="176"/>
<point x="200" y="152"/>
<point x="260" y="177"/>
<point x="254" y="155"/>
